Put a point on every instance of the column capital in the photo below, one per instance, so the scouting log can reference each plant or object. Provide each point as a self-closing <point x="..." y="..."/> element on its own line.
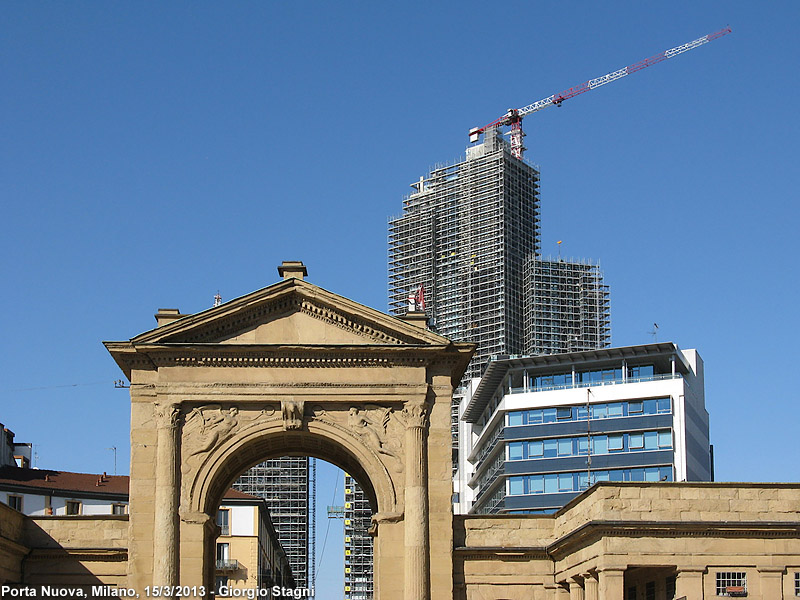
<point x="166" y="414"/>
<point x="415" y="414"/>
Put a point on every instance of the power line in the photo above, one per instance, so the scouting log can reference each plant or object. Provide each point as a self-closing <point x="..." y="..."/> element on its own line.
<point x="53" y="387"/>
<point x="327" y="528"/>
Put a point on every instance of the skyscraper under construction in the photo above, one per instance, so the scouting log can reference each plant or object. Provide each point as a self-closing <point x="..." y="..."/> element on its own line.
<point x="288" y="486"/>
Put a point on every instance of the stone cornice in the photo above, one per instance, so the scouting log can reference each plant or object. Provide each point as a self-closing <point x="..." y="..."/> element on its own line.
<point x="80" y="554"/>
<point x="593" y="530"/>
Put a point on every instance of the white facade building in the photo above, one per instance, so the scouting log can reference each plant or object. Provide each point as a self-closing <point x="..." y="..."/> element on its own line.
<point x="536" y="431"/>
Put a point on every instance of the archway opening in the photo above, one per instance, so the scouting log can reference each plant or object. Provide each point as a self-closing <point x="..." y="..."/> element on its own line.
<point x="314" y="524"/>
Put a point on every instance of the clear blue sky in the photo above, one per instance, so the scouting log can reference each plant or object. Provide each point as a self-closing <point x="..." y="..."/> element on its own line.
<point x="152" y="154"/>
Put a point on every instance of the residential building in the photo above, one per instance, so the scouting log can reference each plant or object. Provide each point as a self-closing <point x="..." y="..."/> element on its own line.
<point x="286" y="485"/>
<point x="13" y="453"/>
<point x="249" y="555"/>
<point x="538" y="430"/>
<point x="248" y="552"/>
<point x="358" y="584"/>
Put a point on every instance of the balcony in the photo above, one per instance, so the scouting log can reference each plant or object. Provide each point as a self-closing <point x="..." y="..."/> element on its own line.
<point x="226" y="565"/>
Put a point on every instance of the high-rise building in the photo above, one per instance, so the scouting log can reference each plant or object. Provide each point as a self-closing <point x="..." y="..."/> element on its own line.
<point x="567" y="306"/>
<point x="465" y="235"/>
<point x="538" y="430"/>
<point x="358" y="584"/>
<point x="285" y="483"/>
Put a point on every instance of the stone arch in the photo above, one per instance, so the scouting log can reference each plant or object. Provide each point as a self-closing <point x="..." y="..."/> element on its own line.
<point x="326" y="441"/>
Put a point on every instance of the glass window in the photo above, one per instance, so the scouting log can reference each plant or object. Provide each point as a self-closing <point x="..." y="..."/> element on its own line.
<point x="651" y="474"/>
<point x="536" y="484"/>
<point x="534" y="417"/>
<point x="550" y="483"/>
<point x="600" y="476"/>
<point x="515" y="451"/>
<point x="565" y="447"/>
<point x="615" y="442"/>
<point x="516" y="486"/>
<point x="616" y="475"/>
<point x="637" y="475"/>
<point x="599" y="411"/>
<point x="564" y="413"/>
<point x="664" y="405"/>
<point x="73" y="507"/>
<point x="117" y="509"/>
<point x="549" y="415"/>
<point x="650" y="440"/>
<point x="665" y="439"/>
<point x="600" y="444"/>
<point x="665" y="473"/>
<point x="535" y="448"/>
<point x="730" y="583"/>
<point x="550" y="448"/>
<point x="583" y="445"/>
<point x="582" y="413"/>
<point x="583" y="480"/>
<point x="514" y="418"/>
<point x="797" y="584"/>
<point x="635" y="407"/>
<point x="649" y="407"/>
<point x="565" y="482"/>
<point x="615" y="409"/>
<point x="636" y="441"/>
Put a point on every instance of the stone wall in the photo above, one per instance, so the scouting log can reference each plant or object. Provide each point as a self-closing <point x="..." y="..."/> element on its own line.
<point x="12" y="551"/>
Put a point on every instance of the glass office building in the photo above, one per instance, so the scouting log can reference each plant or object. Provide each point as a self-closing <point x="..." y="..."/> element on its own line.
<point x="536" y="431"/>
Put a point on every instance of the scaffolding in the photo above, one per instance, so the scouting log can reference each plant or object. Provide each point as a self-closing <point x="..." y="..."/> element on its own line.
<point x="285" y="484"/>
<point x="465" y="234"/>
<point x="568" y="308"/>
<point x="358" y="570"/>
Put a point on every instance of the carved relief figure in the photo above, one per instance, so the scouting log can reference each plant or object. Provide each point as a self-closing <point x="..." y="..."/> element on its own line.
<point x="365" y="427"/>
<point x="292" y="414"/>
<point x="215" y="424"/>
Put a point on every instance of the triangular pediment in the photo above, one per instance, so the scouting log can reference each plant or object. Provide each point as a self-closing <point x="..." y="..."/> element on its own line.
<point x="291" y="312"/>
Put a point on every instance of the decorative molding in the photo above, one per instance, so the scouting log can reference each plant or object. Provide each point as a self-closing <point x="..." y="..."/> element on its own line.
<point x="415" y="414"/>
<point x="230" y="356"/>
<point x="166" y="415"/>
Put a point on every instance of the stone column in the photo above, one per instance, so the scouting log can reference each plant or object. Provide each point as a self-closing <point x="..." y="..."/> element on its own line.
<point x="416" y="504"/>
<point x="611" y="584"/>
<point x="165" y="533"/>
<point x="590" y="586"/>
<point x="689" y="584"/>
<point x="576" y="589"/>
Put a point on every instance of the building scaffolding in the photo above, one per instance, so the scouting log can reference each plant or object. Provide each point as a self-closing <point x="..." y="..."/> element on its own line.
<point x="465" y="234"/>
<point x="568" y="306"/>
<point x="285" y="484"/>
<point x="358" y="570"/>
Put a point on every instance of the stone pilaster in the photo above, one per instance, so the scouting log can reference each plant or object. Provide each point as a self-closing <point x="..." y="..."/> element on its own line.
<point x="611" y="584"/>
<point x="165" y="533"/>
<point x="590" y="587"/>
<point x="689" y="583"/>
<point x="576" y="591"/>
<point x="771" y="580"/>
<point x="416" y="504"/>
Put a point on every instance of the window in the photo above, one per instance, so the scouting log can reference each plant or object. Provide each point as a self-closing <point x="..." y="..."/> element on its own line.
<point x="797" y="584"/>
<point x="565" y="447"/>
<point x="117" y="509"/>
<point x="15" y="502"/>
<point x="73" y="507"/>
<point x="636" y="441"/>
<point x="731" y="583"/>
<point x="516" y="486"/>
<point x="565" y="482"/>
<point x="635" y="407"/>
<point x="515" y="451"/>
<point x="514" y="419"/>
<point x="671" y="581"/>
<point x="616" y="442"/>
<point x="665" y="439"/>
<point x="631" y="593"/>
<point x="600" y="444"/>
<point x="564" y="413"/>
<point x="536" y="449"/>
<point x="223" y="521"/>
<point x="664" y="405"/>
<point x="650" y="590"/>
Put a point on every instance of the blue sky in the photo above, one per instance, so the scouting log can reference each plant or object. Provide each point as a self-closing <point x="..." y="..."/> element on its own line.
<point x="153" y="154"/>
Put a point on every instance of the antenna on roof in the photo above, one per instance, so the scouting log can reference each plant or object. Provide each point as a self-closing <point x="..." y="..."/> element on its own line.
<point x="654" y="333"/>
<point x="114" y="448"/>
<point x="217" y="300"/>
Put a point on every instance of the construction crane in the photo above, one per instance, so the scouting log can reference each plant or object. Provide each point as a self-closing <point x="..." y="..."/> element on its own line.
<point x="514" y="116"/>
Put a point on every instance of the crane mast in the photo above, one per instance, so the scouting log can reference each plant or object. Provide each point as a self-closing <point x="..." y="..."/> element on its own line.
<point x="514" y="116"/>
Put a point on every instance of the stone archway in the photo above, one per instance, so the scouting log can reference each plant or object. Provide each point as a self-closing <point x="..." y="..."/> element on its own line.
<point x="285" y="370"/>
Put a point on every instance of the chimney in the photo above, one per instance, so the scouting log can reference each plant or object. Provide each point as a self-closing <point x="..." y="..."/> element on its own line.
<point x="293" y="269"/>
<point x="165" y="316"/>
<point x="417" y="318"/>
